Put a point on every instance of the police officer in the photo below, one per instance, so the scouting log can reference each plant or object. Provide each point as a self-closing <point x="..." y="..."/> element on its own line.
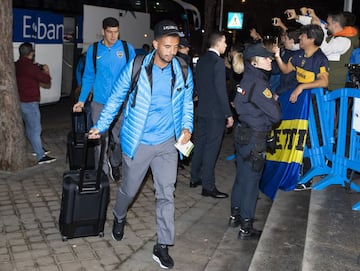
<point x="257" y="112"/>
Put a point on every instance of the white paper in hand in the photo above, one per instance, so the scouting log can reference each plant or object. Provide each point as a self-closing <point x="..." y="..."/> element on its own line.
<point x="186" y="148"/>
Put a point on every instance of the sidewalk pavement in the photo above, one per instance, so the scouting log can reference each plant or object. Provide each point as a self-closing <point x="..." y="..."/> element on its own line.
<point x="30" y="237"/>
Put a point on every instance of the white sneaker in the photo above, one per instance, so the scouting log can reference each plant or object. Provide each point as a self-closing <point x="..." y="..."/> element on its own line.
<point x="46" y="152"/>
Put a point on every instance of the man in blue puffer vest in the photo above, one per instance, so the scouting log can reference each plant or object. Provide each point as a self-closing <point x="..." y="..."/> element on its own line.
<point x="159" y="110"/>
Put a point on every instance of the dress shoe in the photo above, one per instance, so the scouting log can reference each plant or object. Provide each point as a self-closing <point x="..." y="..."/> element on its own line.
<point x="195" y="184"/>
<point x="214" y="193"/>
<point x="249" y="234"/>
<point x="247" y="231"/>
<point x="235" y="218"/>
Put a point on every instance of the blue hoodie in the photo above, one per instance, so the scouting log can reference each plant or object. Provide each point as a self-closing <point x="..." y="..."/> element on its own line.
<point x="110" y="61"/>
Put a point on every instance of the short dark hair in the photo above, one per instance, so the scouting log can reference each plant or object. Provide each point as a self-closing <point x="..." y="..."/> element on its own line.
<point x="25" y="49"/>
<point x="110" y="22"/>
<point x="350" y="18"/>
<point x="313" y="31"/>
<point x="338" y="17"/>
<point x="294" y="35"/>
<point x="215" y="37"/>
<point x="146" y="47"/>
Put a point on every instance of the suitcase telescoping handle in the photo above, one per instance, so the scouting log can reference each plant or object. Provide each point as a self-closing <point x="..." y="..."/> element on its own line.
<point x="84" y="161"/>
<point x="78" y="121"/>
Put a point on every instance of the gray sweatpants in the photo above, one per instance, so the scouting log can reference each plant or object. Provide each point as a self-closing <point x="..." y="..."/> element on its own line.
<point x="162" y="159"/>
<point x="113" y="154"/>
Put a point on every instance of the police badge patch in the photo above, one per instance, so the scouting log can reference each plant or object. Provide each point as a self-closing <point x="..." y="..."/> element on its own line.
<point x="267" y="93"/>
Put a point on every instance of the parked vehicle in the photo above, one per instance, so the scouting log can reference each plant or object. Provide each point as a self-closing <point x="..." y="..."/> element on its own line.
<point x="59" y="39"/>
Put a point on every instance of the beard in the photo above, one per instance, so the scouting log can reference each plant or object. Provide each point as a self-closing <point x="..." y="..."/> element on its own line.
<point x="166" y="58"/>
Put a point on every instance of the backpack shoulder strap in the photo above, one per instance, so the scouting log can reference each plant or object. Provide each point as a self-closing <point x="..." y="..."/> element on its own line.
<point x="95" y="47"/>
<point x="184" y="69"/>
<point x="135" y="73"/>
<point x="126" y="49"/>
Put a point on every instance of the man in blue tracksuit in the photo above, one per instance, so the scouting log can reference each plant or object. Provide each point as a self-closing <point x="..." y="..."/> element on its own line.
<point x="159" y="110"/>
<point x="110" y="61"/>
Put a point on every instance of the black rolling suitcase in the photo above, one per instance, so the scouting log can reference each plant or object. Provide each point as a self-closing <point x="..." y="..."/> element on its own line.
<point x="85" y="197"/>
<point x="75" y="150"/>
<point x="81" y="123"/>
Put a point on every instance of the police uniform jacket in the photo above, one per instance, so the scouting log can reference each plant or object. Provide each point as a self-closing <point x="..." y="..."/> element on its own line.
<point x="254" y="103"/>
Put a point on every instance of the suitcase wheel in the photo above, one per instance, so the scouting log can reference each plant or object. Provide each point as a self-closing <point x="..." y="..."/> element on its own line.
<point x="64" y="238"/>
<point x="101" y="234"/>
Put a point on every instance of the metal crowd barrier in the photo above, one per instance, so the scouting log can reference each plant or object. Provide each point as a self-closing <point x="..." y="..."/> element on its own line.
<point x="339" y="130"/>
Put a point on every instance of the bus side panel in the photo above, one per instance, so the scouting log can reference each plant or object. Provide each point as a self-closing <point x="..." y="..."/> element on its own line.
<point x="138" y="34"/>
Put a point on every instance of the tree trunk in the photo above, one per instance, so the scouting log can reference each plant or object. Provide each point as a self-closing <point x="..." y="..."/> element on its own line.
<point x="13" y="141"/>
<point x="209" y="20"/>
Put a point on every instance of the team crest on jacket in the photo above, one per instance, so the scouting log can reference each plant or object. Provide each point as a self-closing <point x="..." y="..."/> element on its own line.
<point x="119" y="54"/>
<point x="267" y="93"/>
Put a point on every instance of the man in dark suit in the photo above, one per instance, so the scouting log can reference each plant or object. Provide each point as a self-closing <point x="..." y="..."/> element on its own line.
<point x="213" y="114"/>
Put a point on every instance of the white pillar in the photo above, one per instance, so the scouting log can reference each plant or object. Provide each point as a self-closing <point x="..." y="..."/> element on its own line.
<point x="348" y="5"/>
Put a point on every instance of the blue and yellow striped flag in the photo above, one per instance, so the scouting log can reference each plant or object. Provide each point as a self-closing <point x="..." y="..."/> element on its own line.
<point x="282" y="168"/>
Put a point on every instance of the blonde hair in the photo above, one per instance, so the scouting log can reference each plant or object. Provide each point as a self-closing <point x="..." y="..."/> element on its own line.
<point x="238" y="63"/>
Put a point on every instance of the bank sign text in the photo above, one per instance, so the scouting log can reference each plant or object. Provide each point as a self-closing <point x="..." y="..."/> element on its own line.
<point x="37" y="26"/>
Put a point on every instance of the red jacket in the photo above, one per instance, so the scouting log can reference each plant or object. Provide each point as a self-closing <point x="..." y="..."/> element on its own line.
<point x="28" y="78"/>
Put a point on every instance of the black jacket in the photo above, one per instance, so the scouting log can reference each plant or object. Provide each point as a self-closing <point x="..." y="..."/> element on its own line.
<point x="255" y="105"/>
<point x="211" y="87"/>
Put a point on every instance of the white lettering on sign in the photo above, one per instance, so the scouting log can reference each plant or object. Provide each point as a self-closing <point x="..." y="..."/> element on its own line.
<point x="40" y="30"/>
<point x="27" y="27"/>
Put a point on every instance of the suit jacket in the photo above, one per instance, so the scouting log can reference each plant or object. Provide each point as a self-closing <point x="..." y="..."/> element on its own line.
<point x="211" y="87"/>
